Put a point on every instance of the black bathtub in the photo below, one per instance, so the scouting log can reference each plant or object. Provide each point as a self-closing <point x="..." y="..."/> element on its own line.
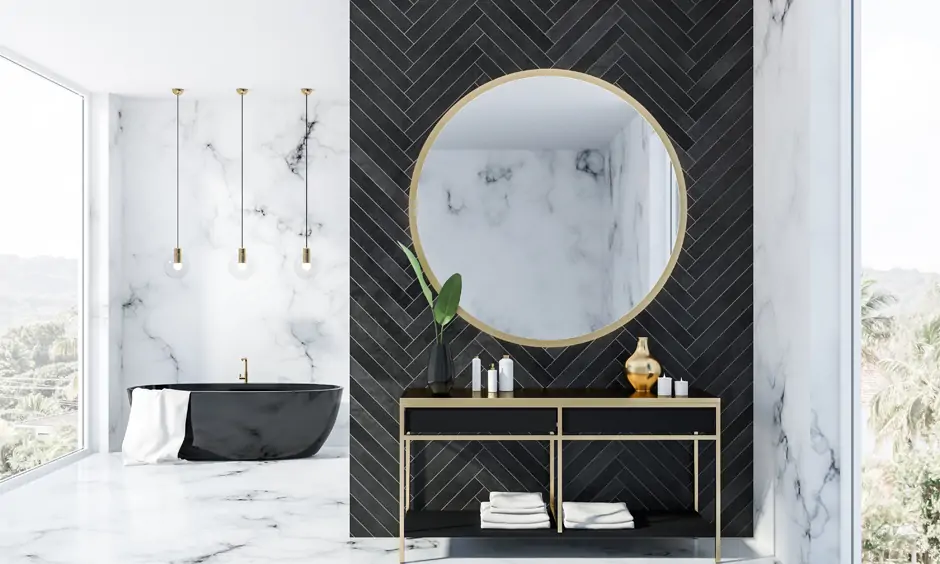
<point x="256" y="421"/>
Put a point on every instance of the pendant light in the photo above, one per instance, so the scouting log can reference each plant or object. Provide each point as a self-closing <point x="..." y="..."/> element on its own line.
<point x="240" y="268"/>
<point x="175" y="267"/>
<point x="304" y="268"/>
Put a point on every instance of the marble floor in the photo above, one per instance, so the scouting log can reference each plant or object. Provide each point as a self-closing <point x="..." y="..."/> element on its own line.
<point x="99" y="512"/>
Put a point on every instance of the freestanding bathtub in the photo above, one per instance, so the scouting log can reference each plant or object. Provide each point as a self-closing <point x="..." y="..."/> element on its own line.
<point x="256" y="421"/>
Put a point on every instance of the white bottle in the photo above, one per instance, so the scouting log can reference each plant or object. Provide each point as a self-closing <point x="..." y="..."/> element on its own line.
<point x="491" y="381"/>
<point x="476" y="379"/>
<point x="505" y="374"/>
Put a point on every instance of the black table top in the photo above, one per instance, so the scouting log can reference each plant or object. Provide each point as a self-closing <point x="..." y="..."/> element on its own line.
<point x="551" y="394"/>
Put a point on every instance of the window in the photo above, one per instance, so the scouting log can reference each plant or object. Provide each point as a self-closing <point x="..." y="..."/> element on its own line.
<point x="900" y="256"/>
<point x="41" y="259"/>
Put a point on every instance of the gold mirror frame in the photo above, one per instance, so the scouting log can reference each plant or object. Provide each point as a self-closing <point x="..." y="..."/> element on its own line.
<point x="680" y="180"/>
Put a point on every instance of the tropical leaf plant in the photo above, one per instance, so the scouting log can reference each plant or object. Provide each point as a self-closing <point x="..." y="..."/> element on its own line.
<point x="877" y="326"/>
<point x="906" y="408"/>
<point x="444" y="307"/>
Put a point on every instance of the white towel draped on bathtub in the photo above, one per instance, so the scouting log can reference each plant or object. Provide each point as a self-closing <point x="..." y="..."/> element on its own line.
<point x="156" y="427"/>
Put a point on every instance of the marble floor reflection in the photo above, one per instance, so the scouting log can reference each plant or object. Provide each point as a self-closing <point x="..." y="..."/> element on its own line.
<point x="99" y="512"/>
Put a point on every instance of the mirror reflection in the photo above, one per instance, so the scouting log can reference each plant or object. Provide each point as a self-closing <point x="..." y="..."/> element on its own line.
<point x="556" y="200"/>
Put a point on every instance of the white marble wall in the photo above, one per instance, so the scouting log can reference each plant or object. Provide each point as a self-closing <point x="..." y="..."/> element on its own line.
<point x="105" y="276"/>
<point x="630" y="181"/>
<point x="643" y="201"/>
<point x="196" y="329"/>
<point x="800" y="246"/>
<point x="521" y="227"/>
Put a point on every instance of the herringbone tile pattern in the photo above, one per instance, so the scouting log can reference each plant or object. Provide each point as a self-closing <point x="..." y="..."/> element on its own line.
<point x="690" y="63"/>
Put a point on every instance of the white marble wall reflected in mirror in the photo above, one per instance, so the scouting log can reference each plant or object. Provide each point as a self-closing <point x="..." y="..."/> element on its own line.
<point x="557" y="202"/>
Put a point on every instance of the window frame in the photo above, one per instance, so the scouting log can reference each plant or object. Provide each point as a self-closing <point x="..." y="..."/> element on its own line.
<point x="86" y="406"/>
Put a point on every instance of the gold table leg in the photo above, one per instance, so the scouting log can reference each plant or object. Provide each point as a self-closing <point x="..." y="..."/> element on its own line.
<point x="407" y="475"/>
<point x="551" y="475"/>
<point x="559" y="518"/>
<point x="401" y="484"/>
<point x="695" y="470"/>
<point x="718" y="483"/>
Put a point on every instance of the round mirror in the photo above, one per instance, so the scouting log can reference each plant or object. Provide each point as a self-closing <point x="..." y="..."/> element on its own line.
<point x="559" y="200"/>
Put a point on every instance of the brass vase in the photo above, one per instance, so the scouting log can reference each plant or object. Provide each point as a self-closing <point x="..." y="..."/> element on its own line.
<point x="642" y="370"/>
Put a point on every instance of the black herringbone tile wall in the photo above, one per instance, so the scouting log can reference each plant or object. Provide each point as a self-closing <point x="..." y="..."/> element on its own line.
<point x="689" y="62"/>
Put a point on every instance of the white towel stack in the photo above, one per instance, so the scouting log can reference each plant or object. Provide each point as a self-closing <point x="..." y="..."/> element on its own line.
<point x="514" y="510"/>
<point x="596" y="515"/>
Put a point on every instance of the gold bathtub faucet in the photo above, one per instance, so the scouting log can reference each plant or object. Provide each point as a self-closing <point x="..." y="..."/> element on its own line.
<point x="244" y="375"/>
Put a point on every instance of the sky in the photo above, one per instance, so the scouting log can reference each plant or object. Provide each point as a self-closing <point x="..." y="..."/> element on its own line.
<point x="900" y="123"/>
<point x="40" y="166"/>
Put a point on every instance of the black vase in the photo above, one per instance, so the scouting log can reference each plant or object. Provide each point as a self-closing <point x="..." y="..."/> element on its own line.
<point x="440" y="369"/>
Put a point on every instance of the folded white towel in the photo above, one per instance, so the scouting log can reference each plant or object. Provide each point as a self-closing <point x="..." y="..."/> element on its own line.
<point x="541" y="509"/>
<point x="627" y="525"/>
<point x="596" y="513"/>
<point x="487" y="515"/>
<point x="516" y="500"/>
<point x="540" y="525"/>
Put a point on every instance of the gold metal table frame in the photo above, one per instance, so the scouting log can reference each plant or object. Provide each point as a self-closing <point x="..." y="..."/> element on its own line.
<point x="555" y="441"/>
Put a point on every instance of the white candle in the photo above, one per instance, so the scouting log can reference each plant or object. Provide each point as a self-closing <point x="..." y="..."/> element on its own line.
<point x="664" y="386"/>
<point x="492" y="381"/>
<point x="682" y="388"/>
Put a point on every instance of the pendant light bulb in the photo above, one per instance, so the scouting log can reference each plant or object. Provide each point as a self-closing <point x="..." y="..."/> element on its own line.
<point x="175" y="267"/>
<point x="304" y="268"/>
<point x="240" y="268"/>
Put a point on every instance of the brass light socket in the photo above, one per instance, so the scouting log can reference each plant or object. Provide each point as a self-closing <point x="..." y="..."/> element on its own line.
<point x="178" y="91"/>
<point x="306" y="91"/>
<point x="241" y="91"/>
<point x="242" y="258"/>
<point x="178" y="255"/>
<point x="305" y="255"/>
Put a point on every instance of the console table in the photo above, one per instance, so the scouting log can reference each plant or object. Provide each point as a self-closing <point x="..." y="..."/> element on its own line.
<point x="556" y="416"/>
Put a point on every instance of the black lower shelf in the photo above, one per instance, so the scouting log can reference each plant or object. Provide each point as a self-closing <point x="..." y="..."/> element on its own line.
<point x="463" y="524"/>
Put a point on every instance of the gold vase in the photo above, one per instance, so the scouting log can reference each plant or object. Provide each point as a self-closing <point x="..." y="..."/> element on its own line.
<point x="642" y="370"/>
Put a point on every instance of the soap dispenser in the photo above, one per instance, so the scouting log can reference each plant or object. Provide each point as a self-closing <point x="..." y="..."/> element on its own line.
<point x="505" y="374"/>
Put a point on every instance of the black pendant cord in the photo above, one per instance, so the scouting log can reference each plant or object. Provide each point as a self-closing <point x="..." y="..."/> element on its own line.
<point x="177" y="171"/>
<point x="306" y="169"/>
<point x="243" y="176"/>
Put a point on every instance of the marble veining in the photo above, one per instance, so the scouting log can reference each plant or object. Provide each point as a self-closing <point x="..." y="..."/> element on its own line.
<point x="513" y="220"/>
<point x="570" y="229"/>
<point x="196" y="329"/>
<point x="98" y="511"/>
<point x="798" y="468"/>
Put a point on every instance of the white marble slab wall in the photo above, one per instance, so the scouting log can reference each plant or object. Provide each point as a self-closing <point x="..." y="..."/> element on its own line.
<point x="105" y="275"/>
<point x="630" y="192"/>
<point x="644" y="198"/>
<point x="548" y="204"/>
<point x="799" y="270"/>
<point x="197" y="328"/>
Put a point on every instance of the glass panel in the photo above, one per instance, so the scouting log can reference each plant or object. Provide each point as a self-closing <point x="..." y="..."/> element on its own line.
<point x="41" y="209"/>
<point x="900" y="307"/>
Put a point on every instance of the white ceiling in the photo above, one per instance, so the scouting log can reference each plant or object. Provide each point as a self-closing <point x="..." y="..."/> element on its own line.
<point x="539" y="112"/>
<point x="208" y="47"/>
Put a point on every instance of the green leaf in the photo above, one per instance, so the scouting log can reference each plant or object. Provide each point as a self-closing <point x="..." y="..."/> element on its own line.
<point x="445" y="309"/>
<point x="419" y="273"/>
